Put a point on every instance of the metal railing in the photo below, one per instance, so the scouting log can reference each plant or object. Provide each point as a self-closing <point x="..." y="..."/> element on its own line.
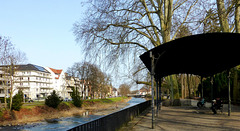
<point x="115" y="120"/>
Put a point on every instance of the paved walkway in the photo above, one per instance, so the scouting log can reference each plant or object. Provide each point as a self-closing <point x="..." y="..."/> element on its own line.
<point x="187" y="118"/>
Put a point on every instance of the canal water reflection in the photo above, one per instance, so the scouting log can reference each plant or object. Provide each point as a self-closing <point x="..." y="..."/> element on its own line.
<point x="63" y="124"/>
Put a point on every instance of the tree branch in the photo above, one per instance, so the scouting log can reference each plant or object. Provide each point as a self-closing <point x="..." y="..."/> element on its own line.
<point x="114" y="43"/>
<point x="184" y="19"/>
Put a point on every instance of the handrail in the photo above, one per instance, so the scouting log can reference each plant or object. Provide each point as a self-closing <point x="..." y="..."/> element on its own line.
<point x="114" y="120"/>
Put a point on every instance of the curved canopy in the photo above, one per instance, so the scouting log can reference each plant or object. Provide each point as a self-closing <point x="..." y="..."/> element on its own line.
<point x="203" y="55"/>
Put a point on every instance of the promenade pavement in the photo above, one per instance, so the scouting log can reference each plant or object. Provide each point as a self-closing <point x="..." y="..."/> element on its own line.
<point x="187" y="118"/>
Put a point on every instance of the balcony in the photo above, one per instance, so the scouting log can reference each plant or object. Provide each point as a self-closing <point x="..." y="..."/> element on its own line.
<point x="45" y="91"/>
<point x="23" y="87"/>
<point x="2" y="94"/>
<point x="69" y="90"/>
<point x="45" y="87"/>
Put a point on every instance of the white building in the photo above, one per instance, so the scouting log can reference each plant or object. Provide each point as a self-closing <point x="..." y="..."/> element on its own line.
<point x="59" y="83"/>
<point x="4" y="83"/>
<point x="33" y="80"/>
<point x="39" y="82"/>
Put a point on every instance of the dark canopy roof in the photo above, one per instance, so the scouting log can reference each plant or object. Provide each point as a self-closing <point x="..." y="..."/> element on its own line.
<point x="203" y="55"/>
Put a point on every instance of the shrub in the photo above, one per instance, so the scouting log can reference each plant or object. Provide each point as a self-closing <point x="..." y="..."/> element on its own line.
<point x="17" y="101"/>
<point x="53" y="100"/>
<point x="76" y="98"/>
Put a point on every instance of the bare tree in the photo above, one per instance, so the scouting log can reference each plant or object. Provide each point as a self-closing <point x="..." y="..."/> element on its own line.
<point x="124" y="89"/>
<point x="117" y="30"/>
<point x="10" y="57"/>
<point x="92" y="77"/>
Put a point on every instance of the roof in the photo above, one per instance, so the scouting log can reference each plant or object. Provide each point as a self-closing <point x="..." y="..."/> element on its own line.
<point x="143" y="89"/>
<point x="203" y="55"/>
<point x="56" y="71"/>
<point x="30" y="67"/>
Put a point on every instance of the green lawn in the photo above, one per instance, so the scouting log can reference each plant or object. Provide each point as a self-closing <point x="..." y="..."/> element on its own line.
<point x="33" y="104"/>
<point x="85" y="102"/>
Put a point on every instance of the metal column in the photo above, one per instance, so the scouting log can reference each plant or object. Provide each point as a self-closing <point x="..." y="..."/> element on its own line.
<point x="152" y="81"/>
<point x="157" y="98"/>
<point x="229" y="93"/>
<point x="202" y="86"/>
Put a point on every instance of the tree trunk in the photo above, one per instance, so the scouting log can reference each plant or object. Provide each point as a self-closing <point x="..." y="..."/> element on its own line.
<point x="237" y="10"/>
<point x="177" y="93"/>
<point x="182" y="83"/>
<point x="223" y="16"/>
<point x="235" y="86"/>
<point x="185" y="85"/>
<point x="11" y="93"/>
<point x="188" y="81"/>
<point x="5" y="98"/>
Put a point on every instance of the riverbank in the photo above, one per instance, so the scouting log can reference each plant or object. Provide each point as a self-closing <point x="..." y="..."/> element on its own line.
<point x="39" y="113"/>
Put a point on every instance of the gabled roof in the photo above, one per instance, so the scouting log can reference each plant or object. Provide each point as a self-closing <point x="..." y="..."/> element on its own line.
<point x="56" y="71"/>
<point x="30" y="67"/>
<point x="143" y="89"/>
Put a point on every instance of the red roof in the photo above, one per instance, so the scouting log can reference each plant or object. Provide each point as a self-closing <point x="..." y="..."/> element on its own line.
<point x="57" y="72"/>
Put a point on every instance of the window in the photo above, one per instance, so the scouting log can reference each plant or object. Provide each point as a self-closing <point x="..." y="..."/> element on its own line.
<point x="1" y="91"/>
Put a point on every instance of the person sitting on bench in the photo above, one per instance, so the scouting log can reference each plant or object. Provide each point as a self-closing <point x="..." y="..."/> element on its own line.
<point x="216" y="105"/>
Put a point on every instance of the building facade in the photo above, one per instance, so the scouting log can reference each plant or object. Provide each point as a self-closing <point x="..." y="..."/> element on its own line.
<point x="33" y="80"/>
<point x="58" y="80"/>
<point x="38" y="82"/>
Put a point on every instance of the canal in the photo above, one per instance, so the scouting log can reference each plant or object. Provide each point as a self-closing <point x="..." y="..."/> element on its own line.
<point x="64" y="123"/>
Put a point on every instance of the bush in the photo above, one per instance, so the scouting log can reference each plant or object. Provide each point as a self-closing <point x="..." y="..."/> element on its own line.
<point x="53" y="100"/>
<point x="17" y="101"/>
<point x="76" y="98"/>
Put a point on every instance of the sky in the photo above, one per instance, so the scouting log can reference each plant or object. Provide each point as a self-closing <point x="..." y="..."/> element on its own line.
<point x="43" y="30"/>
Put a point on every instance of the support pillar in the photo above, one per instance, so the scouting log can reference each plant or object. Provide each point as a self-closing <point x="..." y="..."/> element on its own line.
<point x="152" y="81"/>
<point x="211" y="87"/>
<point x="160" y="94"/>
<point x="202" y="87"/>
<point x="229" y="93"/>
<point x="172" y="97"/>
<point x="157" y="98"/>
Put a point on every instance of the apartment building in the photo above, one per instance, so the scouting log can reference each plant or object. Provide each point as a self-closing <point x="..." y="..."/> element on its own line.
<point x="81" y="86"/>
<point x="33" y="80"/>
<point x="37" y="82"/>
<point x="4" y="83"/>
<point x="59" y="82"/>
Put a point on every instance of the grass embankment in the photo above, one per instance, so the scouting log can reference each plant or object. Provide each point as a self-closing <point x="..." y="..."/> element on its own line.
<point x="102" y="104"/>
<point x="38" y="111"/>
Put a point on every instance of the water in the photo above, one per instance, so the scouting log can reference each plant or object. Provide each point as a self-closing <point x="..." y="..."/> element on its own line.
<point x="63" y="124"/>
<point x="135" y="101"/>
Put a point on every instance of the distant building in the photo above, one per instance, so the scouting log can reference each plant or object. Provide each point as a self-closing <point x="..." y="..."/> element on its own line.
<point x="81" y="85"/>
<point x="4" y="82"/>
<point x="144" y="91"/>
<point x="114" y="92"/>
<point x="38" y="82"/>
<point x="58" y="81"/>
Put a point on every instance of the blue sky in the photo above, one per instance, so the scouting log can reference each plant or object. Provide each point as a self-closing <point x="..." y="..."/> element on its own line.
<point x="43" y="30"/>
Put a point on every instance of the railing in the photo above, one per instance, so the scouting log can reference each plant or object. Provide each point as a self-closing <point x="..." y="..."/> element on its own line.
<point x="115" y="120"/>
